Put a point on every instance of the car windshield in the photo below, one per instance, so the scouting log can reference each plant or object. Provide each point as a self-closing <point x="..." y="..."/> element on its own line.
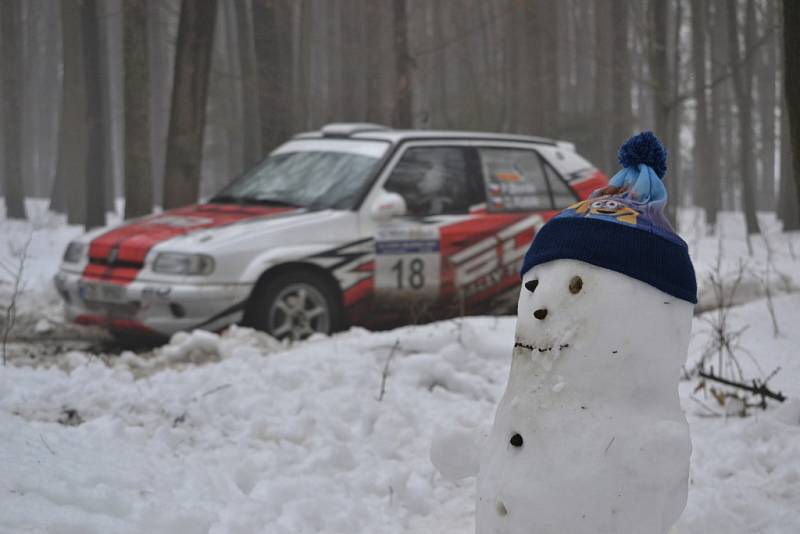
<point x="313" y="173"/>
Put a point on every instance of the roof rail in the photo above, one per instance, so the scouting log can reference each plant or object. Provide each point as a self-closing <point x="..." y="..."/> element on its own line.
<point x="566" y="145"/>
<point x="346" y="129"/>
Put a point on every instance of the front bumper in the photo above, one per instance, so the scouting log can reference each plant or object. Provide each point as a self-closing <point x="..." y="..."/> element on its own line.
<point x="153" y="308"/>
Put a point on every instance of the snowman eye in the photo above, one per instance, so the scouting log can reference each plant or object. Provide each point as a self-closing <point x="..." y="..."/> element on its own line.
<point x="530" y="285"/>
<point x="575" y="285"/>
<point x="516" y="440"/>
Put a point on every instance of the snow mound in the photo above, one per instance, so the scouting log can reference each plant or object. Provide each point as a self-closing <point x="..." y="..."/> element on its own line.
<point x="259" y="437"/>
<point x="456" y="453"/>
<point x="294" y="440"/>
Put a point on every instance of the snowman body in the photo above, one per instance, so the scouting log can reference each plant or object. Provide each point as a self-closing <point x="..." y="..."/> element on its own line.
<point x="589" y="436"/>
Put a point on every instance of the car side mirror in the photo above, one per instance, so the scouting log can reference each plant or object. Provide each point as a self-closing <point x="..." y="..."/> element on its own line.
<point x="387" y="206"/>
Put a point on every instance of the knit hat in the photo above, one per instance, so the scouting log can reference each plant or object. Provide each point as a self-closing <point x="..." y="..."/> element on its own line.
<point x="622" y="226"/>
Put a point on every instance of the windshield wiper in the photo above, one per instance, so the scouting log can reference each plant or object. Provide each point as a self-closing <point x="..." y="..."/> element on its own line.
<point x="231" y="199"/>
<point x="225" y="199"/>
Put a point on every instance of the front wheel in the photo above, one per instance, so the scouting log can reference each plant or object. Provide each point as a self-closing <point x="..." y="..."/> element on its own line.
<point x="295" y="306"/>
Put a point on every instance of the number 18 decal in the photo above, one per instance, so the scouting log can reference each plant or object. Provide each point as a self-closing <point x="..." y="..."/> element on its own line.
<point x="415" y="273"/>
<point x="407" y="261"/>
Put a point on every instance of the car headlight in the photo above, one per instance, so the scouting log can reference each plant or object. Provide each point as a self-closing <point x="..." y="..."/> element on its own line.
<point x="179" y="263"/>
<point x="75" y="252"/>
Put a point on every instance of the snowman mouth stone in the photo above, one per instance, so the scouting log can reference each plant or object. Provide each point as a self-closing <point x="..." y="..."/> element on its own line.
<point x="546" y="348"/>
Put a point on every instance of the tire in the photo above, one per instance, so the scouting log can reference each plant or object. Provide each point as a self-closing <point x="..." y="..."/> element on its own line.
<point x="295" y="305"/>
<point x="125" y="340"/>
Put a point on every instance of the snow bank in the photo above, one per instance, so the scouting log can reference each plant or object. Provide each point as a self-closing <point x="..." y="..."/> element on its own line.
<point x="264" y="438"/>
<point x="289" y="441"/>
<point x="771" y="269"/>
<point x="746" y="472"/>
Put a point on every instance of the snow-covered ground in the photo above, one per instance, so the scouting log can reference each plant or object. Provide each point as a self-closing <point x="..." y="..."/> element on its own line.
<point x="240" y="434"/>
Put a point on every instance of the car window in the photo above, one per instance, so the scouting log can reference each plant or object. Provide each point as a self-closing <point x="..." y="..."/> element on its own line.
<point x="437" y="180"/>
<point x="514" y="179"/>
<point x="562" y="195"/>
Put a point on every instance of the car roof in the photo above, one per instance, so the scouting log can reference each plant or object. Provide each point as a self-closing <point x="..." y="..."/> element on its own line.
<point x="369" y="131"/>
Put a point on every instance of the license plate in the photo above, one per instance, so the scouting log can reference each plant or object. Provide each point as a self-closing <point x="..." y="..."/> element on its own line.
<point x="101" y="292"/>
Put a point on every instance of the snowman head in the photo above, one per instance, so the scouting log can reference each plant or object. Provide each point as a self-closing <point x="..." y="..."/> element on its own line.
<point x="577" y="322"/>
<point x="552" y="304"/>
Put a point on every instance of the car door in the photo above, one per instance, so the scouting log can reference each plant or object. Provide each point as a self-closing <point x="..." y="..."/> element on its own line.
<point x="442" y="187"/>
<point x="522" y="192"/>
<point x="472" y="212"/>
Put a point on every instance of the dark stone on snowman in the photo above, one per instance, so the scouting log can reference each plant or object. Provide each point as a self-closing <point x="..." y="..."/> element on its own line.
<point x="595" y="281"/>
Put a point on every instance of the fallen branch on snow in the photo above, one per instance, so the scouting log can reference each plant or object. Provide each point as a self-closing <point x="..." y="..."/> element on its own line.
<point x="11" y="310"/>
<point x="757" y="387"/>
<point x="385" y="372"/>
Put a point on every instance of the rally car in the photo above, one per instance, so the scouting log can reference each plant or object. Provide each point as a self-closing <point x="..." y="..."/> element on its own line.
<point x="355" y="224"/>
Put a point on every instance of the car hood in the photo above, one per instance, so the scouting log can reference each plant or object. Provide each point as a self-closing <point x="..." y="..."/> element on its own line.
<point x="130" y="243"/>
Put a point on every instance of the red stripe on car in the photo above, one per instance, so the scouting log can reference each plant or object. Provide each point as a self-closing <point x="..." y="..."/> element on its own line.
<point x="134" y="240"/>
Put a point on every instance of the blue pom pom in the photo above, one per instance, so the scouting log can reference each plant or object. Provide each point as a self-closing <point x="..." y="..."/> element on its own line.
<point x="644" y="148"/>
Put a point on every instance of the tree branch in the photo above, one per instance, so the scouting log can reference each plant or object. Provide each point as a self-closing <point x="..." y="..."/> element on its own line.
<point x="757" y="388"/>
<point x="385" y="372"/>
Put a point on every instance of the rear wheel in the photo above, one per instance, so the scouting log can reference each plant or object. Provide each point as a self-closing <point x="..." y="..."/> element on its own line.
<point x="294" y="306"/>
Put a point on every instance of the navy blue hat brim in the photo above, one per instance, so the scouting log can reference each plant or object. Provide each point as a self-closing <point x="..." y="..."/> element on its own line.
<point x="645" y="256"/>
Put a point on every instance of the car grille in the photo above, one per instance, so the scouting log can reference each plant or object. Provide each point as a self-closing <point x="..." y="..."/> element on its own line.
<point x="118" y="263"/>
<point x="123" y="310"/>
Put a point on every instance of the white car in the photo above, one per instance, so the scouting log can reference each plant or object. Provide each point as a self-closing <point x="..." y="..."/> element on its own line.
<point x="353" y="224"/>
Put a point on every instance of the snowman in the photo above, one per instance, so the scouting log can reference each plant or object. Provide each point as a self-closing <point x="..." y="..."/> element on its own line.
<point x="589" y="436"/>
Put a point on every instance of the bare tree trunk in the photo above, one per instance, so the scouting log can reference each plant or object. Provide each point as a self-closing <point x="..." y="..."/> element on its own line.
<point x="720" y="105"/>
<point x="71" y="170"/>
<point x="188" y="113"/>
<point x="31" y="18"/>
<point x="251" y="125"/>
<point x="375" y="62"/>
<point x="11" y="86"/>
<point x="403" y="108"/>
<point x="158" y="42"/>
<point x="224" y="136"/>
<point x="603" y="157"/>
<point x="584" y="54"/>
<point x="791" y="82"/>
<point x="528" y="40"/>
<point x="518" y="122"/>
<point x="106" y="40"/>
<point x="222" y="155"/>
<point x="273" y="46"/>
<point x="440" y="118"/>
<point x="665" y="111"/>
<point x="50" y="93"/>
<point x="301" y="71"/>
<point x="621" y="80"/>
<point x="550" y="72"/>
<point x="742" y="89"/>
<point x="351" y="78"/>
<point x="333" y="46"/>
<point x="703" y="177"/>
<point x="138" y="177"/>
<point x="766" y="95"/>
<point x="659" y="65"/>
<point x="674" y="182"/>
<point x="96" y="149"/>
<point x="788" y="205"/>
